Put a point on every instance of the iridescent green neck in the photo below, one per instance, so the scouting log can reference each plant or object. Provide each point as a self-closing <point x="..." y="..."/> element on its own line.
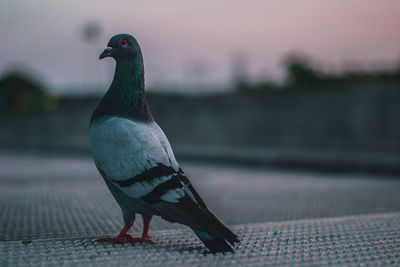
<point x="126" y="96"/>
<point x="128" y="82"/>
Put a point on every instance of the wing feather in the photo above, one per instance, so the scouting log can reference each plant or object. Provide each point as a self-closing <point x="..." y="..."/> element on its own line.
<point x="130" y="155"/>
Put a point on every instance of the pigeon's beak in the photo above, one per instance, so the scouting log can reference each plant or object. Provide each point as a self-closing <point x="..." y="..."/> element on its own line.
<point x="106" y="53"/>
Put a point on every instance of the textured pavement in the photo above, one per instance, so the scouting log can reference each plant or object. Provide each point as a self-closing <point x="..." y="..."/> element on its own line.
<point x="54" y="208"/>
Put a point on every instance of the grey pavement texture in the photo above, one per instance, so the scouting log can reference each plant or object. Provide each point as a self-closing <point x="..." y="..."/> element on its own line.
<point x="54" y="208"/>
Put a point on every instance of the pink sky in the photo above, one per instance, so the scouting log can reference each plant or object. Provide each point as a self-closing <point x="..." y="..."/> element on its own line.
<point x="175" y="34"/>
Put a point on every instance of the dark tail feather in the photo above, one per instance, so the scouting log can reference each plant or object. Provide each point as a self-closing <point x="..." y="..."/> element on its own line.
<point x="214" y="244"/>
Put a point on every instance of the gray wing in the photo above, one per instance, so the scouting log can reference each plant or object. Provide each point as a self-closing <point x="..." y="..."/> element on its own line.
<point x="134" y="156"/>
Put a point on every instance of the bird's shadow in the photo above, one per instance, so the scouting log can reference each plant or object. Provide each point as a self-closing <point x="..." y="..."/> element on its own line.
<point x="181" y="248"/>
<point x="176" y="247"/>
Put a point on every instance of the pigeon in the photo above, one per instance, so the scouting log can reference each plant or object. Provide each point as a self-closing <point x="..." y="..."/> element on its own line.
<point x="134" y="157"/>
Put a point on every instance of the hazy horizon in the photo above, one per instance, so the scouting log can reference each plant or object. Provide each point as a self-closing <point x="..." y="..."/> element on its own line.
<point x="189" y="42"/>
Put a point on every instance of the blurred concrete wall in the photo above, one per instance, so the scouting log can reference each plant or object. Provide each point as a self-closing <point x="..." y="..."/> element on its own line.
<point x="363" y="118"/>
<point x="356" y="118"/>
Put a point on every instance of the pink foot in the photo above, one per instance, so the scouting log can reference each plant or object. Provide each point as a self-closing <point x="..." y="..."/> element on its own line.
<point x="146" y="238"/>
<point x="120" y="239"/>
<point x="126" y="239"/>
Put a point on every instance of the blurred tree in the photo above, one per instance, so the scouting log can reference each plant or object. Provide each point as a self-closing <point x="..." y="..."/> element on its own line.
<point x="21" y="93"/>
<point x="299" y="70"/>
<point x="264" y="85"/>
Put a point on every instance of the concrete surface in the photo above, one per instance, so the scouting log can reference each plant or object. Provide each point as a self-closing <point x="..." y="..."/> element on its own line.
<point x="54" y="208"/>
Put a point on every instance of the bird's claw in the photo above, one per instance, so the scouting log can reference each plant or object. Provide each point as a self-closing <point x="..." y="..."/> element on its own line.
<point x="143" y="239"/>
<point x="120" y="239"/>
<point x="126" y="239"/>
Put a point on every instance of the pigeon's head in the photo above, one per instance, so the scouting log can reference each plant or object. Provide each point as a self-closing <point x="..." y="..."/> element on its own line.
<point x="122" y="47"/>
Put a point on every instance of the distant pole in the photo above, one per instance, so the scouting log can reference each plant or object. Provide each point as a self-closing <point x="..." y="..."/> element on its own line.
<point x="91" y="32"/>
<point x="239" y="70"/>
<point x="198" y="73"/>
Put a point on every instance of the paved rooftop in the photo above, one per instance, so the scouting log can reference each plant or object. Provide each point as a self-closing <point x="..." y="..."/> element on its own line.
<point x="54" y="208"/>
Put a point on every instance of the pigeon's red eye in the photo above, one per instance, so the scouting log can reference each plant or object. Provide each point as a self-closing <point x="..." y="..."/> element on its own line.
<point x="124" y="42"/>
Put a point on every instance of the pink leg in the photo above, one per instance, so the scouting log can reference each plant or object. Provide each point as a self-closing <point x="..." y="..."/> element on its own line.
<point x="124" y="238"/>
<point x="145" y="236"/>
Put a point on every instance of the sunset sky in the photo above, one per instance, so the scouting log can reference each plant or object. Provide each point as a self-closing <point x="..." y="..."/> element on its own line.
<point x="178" y="35"/>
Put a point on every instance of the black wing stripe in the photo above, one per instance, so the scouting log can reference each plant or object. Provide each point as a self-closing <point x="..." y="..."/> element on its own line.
<point x="147" y="175"/>
<point x="191" y="188"/>
<point x="155" y="195"/>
